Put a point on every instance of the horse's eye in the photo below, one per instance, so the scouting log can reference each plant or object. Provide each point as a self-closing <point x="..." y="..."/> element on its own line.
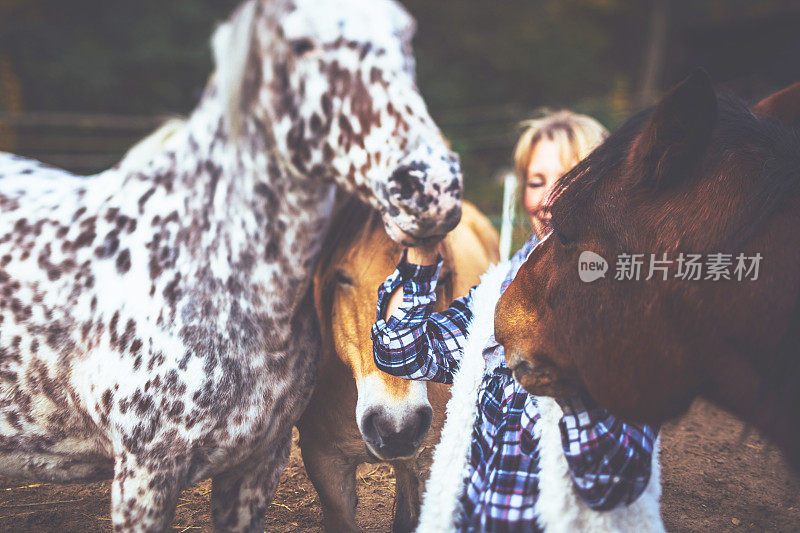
<point x="563" y="239"/>
<point x="342" y="278"/>
<point x="301" y="46"/>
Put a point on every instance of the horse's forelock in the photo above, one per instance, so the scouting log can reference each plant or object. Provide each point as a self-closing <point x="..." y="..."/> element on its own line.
<point x="351" y="224"/>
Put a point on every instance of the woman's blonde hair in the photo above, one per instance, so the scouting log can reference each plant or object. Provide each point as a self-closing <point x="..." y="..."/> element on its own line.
<point x="576" y="135"/>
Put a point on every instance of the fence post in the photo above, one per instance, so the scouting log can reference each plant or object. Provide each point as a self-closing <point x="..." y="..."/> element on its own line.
<point x="509" y="208"/>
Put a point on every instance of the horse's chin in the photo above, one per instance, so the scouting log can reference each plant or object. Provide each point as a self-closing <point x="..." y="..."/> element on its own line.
<point x="404" y="238"/>
<point x="541" y="380"/>
<point x="378" y="458"/>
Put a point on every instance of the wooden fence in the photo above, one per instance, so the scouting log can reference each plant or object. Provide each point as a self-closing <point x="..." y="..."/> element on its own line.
<point x="81" y="143"/>
<point x="87" y="143"/>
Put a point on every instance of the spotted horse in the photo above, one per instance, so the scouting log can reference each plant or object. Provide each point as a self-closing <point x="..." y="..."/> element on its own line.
<point x="156" y="322"/>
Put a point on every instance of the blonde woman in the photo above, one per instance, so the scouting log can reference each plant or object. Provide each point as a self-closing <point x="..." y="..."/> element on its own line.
<point x="508" y="482"/>
<point x="549" y="147"/>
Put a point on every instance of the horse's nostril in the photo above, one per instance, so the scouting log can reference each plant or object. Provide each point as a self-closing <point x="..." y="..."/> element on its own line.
<point x="424" y="418"/>
<point x="370" y="429"/>
<point x="451" y="219"/>
<point x="407" y="180"/>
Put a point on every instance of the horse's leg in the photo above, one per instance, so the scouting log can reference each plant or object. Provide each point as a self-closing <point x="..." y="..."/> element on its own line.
<point x="406" y="497"/>
<point x="143" y="500"/>
<point x="240" y="496"/>
<point x="334" y="478"/>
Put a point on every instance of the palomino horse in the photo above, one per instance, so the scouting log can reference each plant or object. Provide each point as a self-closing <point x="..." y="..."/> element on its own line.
<point x="698" y="174"/>
<point x="357" y="413"/>
<point x="156" y="322"/>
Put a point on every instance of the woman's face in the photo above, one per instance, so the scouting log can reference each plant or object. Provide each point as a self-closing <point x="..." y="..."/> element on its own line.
<point x="544" y="169"/>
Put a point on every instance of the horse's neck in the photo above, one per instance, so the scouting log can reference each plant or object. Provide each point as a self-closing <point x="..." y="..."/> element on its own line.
<point x="763" y="387"/>
<point x="244" y="219"/>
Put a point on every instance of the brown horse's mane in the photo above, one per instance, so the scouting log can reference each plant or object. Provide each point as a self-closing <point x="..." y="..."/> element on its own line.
<point x="737" y="128"/>
<point x="353" y="221"/>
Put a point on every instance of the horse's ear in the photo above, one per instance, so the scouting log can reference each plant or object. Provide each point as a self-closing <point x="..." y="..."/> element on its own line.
<point x="784" y="105"/>
<point x="677" y="133"/>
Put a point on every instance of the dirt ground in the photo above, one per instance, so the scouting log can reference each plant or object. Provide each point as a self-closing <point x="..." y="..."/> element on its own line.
<point x="715" y="478"/>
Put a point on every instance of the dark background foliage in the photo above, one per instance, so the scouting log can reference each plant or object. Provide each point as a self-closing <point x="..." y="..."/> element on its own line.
<point x="483" y="66"/>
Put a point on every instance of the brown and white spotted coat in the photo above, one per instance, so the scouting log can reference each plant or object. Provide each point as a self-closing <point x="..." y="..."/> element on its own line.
<point x="155" y="320"/>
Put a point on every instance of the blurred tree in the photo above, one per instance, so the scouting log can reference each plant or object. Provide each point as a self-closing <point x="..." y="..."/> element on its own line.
<point x="147" y="56"/>
<point x="153" y="56"/>
<point x="10" y="101"/>
<point x="483" y="66"/>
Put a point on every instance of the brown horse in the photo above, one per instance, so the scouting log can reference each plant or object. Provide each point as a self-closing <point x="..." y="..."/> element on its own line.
<point x="697" y="174"/>
<point x="358" y="413"/>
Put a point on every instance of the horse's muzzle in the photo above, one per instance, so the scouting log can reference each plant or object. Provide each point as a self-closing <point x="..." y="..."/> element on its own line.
<point x="423" y="198"/>
<point x="387" y="441"/>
